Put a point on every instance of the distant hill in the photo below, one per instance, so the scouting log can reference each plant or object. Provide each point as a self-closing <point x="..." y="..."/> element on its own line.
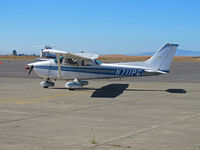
<point x="179" y="52"/>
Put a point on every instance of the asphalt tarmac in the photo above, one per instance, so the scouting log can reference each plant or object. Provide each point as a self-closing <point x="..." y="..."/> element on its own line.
<point x="180" y="72"/>
<point x="161" y="112"/>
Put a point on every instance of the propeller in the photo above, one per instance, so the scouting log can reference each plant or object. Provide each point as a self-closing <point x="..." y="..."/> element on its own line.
<point x="30" y="69"/>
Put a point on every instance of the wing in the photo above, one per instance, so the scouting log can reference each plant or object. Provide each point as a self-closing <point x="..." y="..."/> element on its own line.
<point x="87" y="55"/>
<point x="84" y="56"/>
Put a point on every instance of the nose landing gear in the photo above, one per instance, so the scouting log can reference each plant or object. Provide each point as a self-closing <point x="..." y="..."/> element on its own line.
<point x="46" y="84"/>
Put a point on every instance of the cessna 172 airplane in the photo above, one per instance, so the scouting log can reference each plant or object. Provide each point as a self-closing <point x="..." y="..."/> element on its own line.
<point x="81" y="66"/>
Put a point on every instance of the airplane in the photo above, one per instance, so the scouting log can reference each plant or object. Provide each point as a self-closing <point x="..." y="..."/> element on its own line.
<point x="82" y="66"/>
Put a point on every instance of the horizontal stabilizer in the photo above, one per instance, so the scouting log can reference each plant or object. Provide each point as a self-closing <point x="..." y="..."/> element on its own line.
<point x="156" y="71"/>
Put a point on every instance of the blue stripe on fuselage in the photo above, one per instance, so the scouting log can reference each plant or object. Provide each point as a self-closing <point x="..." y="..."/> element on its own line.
<point x="109" y="71"/>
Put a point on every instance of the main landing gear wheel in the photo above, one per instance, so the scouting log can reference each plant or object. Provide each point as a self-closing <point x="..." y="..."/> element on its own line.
<point x="46" y="84"/>
<point x="76" y="84"/>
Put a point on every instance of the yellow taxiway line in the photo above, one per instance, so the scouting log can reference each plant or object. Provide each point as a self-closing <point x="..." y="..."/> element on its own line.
<point x="38" y="99"/>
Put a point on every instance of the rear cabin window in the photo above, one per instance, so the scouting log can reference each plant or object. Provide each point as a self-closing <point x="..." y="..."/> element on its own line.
<point x="87" y="63"/>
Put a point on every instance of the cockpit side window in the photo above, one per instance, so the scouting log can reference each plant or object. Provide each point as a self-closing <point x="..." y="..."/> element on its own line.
<point x="72" y="62"/>
<point x="77" y="62"/>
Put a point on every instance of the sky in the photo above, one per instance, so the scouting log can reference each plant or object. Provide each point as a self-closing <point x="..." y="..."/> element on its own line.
<point x="98" y="26"/>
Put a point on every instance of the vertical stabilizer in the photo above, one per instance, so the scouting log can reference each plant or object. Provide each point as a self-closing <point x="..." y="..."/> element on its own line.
<point x="162" y="59"/>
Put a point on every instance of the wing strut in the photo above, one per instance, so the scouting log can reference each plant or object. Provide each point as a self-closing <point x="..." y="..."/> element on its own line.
<point x="59" y="66"/>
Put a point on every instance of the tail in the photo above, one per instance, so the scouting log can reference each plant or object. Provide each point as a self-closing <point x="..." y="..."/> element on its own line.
<point x="162" y="59"/>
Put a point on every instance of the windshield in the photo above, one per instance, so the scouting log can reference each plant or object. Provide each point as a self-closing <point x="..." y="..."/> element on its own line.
<point x="61" y="59"/>
<point x="97" y="62"/>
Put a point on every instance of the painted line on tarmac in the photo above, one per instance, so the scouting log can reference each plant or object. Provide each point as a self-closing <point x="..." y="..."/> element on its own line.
<point x="40" y="99"/>
<point x="3" y="98"/>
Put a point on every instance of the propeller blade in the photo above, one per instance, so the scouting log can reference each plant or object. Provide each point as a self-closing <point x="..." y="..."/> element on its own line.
<point x="31" y="69"/>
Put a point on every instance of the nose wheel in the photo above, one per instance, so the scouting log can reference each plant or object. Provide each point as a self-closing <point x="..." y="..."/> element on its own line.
<point x="46" y="84"/>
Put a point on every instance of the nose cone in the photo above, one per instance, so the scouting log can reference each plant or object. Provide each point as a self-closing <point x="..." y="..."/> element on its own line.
<point x="29" y="66"/>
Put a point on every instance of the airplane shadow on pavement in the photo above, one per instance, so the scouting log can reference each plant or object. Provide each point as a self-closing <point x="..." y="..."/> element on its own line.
<point x="110" y="91"/>
<point x="180" y="91"/>
<point x="114" y="90"/>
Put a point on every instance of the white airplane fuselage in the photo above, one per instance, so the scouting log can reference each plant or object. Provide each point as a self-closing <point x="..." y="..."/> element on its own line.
<point x="69" y="66"/>
<point x="49" y="69"/>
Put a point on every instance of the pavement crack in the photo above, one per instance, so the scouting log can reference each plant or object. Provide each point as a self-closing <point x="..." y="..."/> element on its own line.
<point x="21" y="119"/>
<point x="145" y="131"/>
<point x="76" y="110"/>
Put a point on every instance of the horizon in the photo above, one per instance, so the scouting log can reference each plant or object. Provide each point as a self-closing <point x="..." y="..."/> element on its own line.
<point x="142" y="53"/>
